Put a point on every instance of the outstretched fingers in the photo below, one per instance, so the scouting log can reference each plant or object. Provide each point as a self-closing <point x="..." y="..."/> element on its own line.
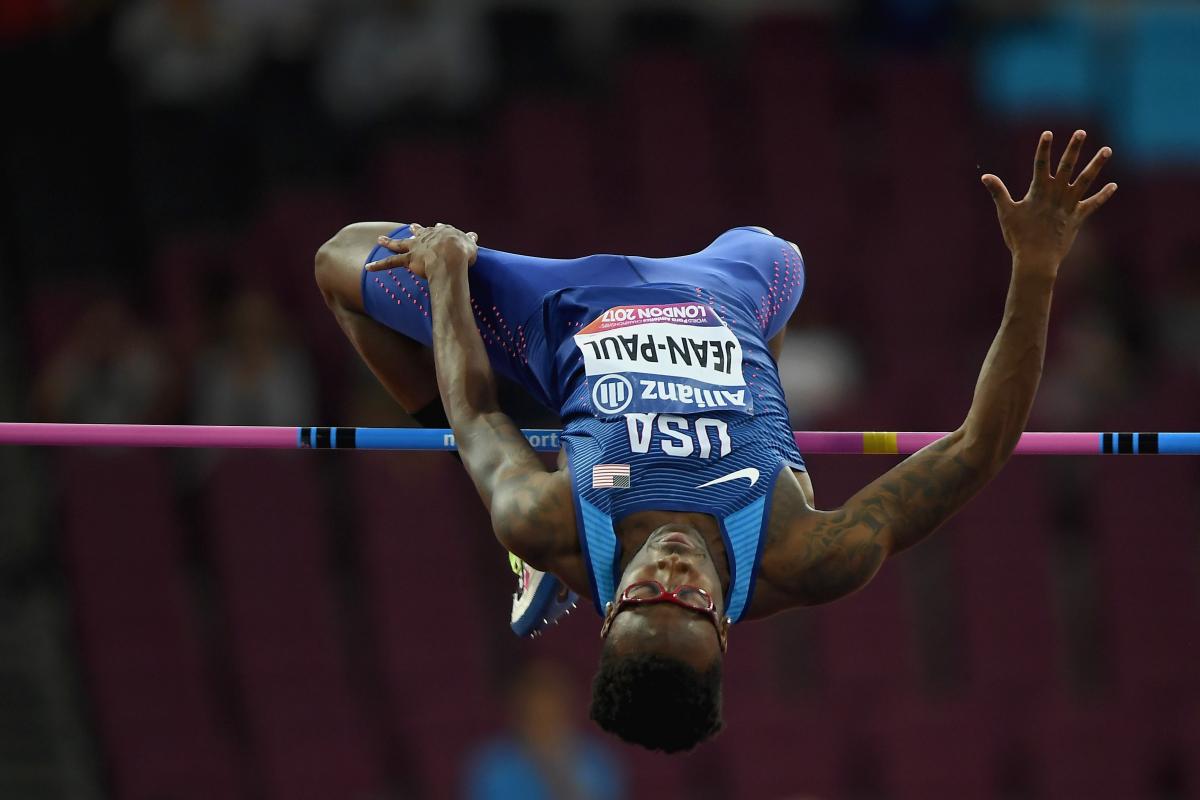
<point x="998" y="190"/>
<point x="1084" y="181"/>
<point x="1041" y="163"/>
<point x="1093" y="203"/>
<point x="398" y="246"/>
<point x="1070" y="157"/>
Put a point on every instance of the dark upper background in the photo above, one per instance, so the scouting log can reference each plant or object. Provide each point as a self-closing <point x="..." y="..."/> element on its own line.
<point x="333" y="625"/>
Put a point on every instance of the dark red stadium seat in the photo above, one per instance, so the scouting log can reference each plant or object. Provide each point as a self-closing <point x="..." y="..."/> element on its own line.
<point x="50" y="314"/>
<point x="1002" y="548"/>
<point x="1165" y="235"/>
<point x="448" y="172"/>
<point x="551" y="178"/>
<point x="1191" y="750"/>
<point x="795" y="158"/>
<point x="418" y="514"/>
<point x="776" y="749"/>
<point x="1167" y="404"/>
<point x="865" y="639"/>
<point x="935" y="748"/>
<point x="156" y="710"/>
<point x="186" y="269"/>
<point x="276" y="256"/>
<point x="1098" y="750"/>
<point x="654" y="774"/>
<point x="921" y="248"/>
<point x="1147" y="515"/>
<point x="663" y="128"/>
<point x="269" y="543"/>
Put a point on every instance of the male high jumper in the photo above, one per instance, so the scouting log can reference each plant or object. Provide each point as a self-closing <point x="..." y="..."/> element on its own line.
<point x="680" y="504"/>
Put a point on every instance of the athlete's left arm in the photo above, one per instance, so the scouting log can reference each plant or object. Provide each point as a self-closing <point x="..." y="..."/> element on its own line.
<point x="531" y="506"/>
<point x="824" y="555"/>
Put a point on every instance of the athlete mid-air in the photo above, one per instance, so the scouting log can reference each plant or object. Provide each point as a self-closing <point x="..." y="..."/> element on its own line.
<point x="680" y="504"/>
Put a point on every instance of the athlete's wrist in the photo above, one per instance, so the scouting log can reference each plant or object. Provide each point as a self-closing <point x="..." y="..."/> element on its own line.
<point x="1037" y="267"/>
<point x="446" y="263"/>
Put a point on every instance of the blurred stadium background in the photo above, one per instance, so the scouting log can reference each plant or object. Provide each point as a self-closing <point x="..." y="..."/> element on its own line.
<point x="330" y="625"/>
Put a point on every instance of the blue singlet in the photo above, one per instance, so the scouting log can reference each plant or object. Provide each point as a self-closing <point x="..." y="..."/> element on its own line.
<point x="659" y="368"/>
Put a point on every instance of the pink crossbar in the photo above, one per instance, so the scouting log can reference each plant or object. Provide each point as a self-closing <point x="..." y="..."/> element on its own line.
<point x="80" y="435"/>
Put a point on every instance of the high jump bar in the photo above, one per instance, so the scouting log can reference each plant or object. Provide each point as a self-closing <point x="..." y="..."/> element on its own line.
<point x="543" y="439"/>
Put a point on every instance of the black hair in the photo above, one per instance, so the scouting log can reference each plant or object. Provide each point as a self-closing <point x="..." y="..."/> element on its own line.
<point x="656" y="701"/>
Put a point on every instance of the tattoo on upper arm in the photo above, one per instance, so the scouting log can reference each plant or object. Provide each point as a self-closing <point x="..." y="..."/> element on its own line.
<point x="844" y="548"/>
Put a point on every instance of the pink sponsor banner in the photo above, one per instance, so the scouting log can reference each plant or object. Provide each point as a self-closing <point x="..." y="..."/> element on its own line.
<point x="675" y="313"/>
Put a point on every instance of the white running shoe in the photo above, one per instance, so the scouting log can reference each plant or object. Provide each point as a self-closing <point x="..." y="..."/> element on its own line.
<point x="541" y="599"/>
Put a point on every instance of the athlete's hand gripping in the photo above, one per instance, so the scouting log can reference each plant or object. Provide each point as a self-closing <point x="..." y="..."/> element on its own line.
<point x="428" y="247"/>
<point x="1040" y="229"/>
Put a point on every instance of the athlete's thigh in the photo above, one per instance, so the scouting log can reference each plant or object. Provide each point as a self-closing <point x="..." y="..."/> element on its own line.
<point x="340" y="261"/>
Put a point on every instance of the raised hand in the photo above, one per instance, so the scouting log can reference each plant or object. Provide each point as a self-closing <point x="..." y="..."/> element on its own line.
<point x="427" y="246"/>
<point x="1040" y="229"/>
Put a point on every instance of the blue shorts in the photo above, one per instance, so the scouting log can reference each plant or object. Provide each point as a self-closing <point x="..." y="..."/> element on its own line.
<point x="746" y="267"/>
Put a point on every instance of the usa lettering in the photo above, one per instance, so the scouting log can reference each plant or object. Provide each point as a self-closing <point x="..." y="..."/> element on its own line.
<point x="675" y="436"/>
<point x="715" y="354"/>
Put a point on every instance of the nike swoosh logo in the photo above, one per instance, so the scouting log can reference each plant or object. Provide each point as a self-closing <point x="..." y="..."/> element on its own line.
<point x="748" y="472"/>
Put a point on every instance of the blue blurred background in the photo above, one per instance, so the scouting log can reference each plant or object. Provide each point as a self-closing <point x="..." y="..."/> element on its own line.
<point x="332" y="625"/>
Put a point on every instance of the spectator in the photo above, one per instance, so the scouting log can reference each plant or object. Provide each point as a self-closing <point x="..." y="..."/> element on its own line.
<point x="183" y="52"/>
<point x="388" y="51"/>
<point x="256" y="375"/>
<point x="821" y="371"/>
<point x="110" y="370"/>
<point x="282" y="29"/>
<point x="1091" y="373"/>
<point x="544" y="757"/>
<point x="189" y="64"/>
<point x="1099" y="349"/>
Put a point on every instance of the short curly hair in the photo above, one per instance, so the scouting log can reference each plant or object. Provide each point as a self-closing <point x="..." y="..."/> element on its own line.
<point x="656" y="701"/>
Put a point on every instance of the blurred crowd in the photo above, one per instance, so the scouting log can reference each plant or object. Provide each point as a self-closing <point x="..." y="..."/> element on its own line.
<point x="174" y="165"/>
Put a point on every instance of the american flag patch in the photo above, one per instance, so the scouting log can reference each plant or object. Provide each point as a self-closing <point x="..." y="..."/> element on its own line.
<point x="610" y="476"/>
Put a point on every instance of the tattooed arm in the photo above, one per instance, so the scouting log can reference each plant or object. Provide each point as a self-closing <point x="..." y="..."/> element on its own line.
<point x="827" y="554"/>
<point x="530" y="505"/>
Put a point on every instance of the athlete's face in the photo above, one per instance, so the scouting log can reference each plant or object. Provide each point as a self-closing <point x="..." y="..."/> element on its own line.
<point x="674" y="555"/>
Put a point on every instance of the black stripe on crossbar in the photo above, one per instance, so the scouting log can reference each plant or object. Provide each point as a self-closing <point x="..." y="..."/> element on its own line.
<point x="1148" y="443"/>
<point x="322" y="437"/>
<point x="1106" y="443"/>
<point x="346" y="437"/>
<point x="306" y="437"/>
<point x="1125" y="443"/>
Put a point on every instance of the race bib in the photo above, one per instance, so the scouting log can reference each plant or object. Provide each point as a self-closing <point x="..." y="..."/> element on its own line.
<point x="671" y="359"/>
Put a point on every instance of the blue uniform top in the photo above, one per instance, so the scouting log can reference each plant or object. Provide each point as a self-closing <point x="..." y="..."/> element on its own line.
<point x="659" y="368"/>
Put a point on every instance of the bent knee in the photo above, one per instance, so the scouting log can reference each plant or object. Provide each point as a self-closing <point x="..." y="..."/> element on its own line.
<point x="338" y="263"/>
<point x="329" y="263"/>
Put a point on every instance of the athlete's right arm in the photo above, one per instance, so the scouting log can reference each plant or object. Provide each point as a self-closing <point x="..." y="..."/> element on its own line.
<point x="827" y="554"/>
<point x="530" y="504"/>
